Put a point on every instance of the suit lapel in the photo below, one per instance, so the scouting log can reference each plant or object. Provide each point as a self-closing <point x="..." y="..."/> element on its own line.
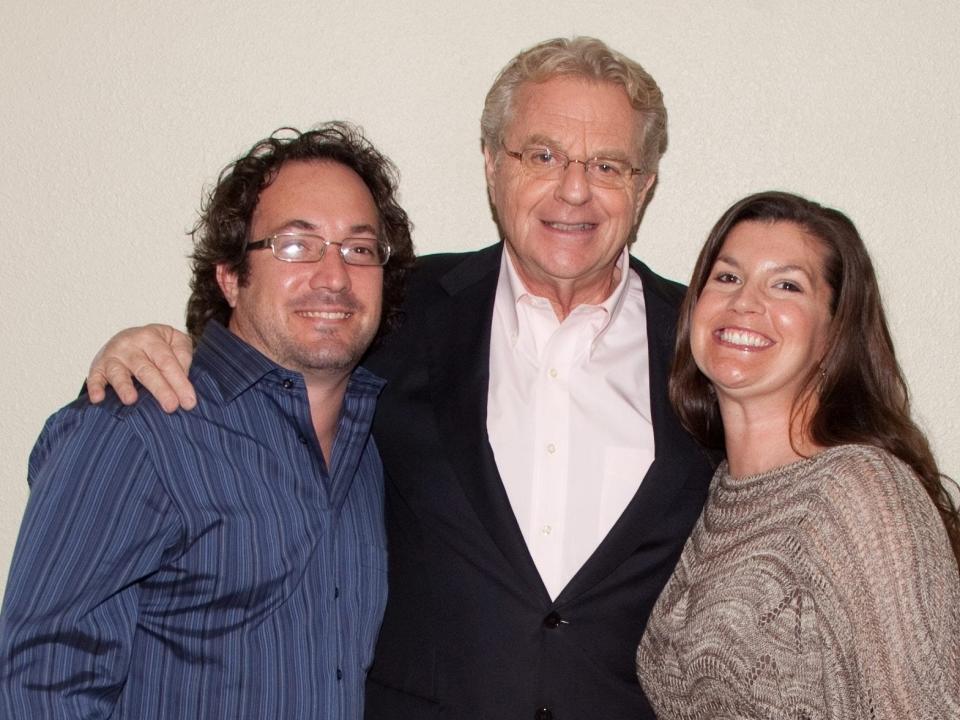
<point x="459" y="356"/>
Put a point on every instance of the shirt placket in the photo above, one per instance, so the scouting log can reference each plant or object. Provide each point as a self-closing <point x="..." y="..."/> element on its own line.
<point x="552" y="445"/>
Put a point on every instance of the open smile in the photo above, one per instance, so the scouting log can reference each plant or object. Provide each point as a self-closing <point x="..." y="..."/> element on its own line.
<point x="570" y="227"/>
<point x="325" y="314"/>
<point x="742" y="339"/>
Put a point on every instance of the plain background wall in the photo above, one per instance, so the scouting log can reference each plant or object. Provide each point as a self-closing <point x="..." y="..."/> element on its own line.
<point x="115" y="115"/>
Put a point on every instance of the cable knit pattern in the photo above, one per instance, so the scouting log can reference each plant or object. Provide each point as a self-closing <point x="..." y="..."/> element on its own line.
<point x="822" y="589"/>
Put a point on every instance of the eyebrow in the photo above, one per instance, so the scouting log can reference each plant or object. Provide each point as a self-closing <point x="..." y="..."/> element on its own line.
<point x="363" y="228"/>
<point x="778" y="269"/>
<point x="299" y="224"/>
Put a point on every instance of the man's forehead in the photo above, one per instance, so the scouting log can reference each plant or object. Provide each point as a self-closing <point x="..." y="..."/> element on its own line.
<point x="317" y="174"/>
<point x="569" y="110"/>
<point x="311" y="194"/>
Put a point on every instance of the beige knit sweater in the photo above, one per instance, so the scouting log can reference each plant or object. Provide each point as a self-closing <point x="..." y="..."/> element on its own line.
<point x="822" y="589"/>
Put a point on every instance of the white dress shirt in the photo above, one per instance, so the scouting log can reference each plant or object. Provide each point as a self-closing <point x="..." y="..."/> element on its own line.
<point x="568" y="416"/>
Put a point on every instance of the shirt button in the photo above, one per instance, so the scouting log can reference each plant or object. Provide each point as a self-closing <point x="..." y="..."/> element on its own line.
<point x="543" y="714"/>
<point x="303" y="439"/>
<point x="551" y="448"/>
<point x="553" y="372"/>
<point x="546" y="530"/>
<point x="339" y="674"/>
<point x="287" y="384"/>
<point x="552" y="621"/>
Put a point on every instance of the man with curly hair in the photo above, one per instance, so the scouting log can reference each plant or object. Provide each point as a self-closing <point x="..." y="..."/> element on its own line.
<point x="228" y="562"/>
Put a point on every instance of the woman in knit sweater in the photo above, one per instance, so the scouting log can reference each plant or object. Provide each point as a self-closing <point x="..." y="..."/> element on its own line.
<point x="823" y="578"/>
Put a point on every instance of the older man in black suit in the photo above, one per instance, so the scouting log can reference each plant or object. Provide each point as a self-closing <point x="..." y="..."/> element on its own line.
<point x="539" y="487"/>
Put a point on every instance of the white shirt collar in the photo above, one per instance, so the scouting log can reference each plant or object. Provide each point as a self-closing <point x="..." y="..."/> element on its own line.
<point x="511" y="292"/>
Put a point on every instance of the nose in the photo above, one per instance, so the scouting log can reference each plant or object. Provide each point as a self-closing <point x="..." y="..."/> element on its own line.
<point x="331" y="272"/>
<point x="748" y="299"/>
<point x="573" y="187"/>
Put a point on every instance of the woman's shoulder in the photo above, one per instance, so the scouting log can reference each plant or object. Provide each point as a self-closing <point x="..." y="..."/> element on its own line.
<point x="873" y="501"/>
<point x="859" y="458"/>
<point x="862" y="475"/>
<point x="887" y="575"/>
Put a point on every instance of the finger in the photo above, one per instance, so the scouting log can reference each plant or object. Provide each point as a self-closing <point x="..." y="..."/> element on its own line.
<point x="155" y="382"/>
<point x="172" y="368"/>
<point x="182" y="347"/>
<point x="96" y="386"/>
<point x="117" y="375"/>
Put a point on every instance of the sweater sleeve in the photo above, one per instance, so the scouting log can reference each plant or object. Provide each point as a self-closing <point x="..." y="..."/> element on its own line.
<point x="887" y="562"/>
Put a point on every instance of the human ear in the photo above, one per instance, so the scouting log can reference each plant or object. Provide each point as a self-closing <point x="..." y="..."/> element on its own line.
<point x="229" y="284"/>
<point x="642" y="196"/>
<point x="490" y="168"/>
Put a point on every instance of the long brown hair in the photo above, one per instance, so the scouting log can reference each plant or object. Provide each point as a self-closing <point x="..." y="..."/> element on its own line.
<point x="862" y="394"/>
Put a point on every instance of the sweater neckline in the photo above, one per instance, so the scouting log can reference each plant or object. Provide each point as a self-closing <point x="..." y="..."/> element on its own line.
<point x="791" y="471"/>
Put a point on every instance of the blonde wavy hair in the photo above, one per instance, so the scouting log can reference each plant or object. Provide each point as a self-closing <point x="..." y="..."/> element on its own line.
<point x="582" y="57"/>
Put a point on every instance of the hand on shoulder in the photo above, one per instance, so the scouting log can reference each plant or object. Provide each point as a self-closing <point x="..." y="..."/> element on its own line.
<point x="158" y="356"/>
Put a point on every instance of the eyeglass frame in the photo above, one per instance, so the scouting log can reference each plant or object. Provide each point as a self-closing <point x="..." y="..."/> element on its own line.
<point x="268" y="242"/>
<point x="629" y="174"/>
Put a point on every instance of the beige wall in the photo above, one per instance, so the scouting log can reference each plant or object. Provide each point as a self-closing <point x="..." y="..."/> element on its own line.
<point x="114" y="115"/>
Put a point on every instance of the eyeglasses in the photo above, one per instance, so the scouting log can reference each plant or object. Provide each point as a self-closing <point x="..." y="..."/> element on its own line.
<point x="306" y="248"/>
<point x="550" y="164"/>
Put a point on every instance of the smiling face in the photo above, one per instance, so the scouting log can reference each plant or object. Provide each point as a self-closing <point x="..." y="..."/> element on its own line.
<point x="315" y="318"/>
<point x="565" y="235"/>
<point x="761" y="322"/>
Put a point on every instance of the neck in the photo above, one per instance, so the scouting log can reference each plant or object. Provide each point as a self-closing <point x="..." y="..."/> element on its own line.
<point x="566" y="298"/>
<point x="567" y="294"/>
<point x="760" y="438"/>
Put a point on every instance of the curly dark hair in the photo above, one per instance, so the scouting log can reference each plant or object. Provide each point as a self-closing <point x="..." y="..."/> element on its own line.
<point x="862" y="395"/>
<point x="221" y="234"/>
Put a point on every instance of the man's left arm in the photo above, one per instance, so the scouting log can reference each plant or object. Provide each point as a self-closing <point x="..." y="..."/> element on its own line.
<point x="97" y="522"/>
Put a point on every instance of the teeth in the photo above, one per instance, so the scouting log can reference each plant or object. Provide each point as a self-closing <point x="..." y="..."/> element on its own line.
<point x="568" y="227"/>
<point x="325" y="315"/>
<point x="740" y="337"/>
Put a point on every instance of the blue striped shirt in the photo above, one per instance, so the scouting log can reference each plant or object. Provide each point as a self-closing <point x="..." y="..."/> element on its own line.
<point x="206" y="564"/>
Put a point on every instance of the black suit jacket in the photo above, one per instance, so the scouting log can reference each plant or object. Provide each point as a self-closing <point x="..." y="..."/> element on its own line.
<point x="469" y="629"/>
